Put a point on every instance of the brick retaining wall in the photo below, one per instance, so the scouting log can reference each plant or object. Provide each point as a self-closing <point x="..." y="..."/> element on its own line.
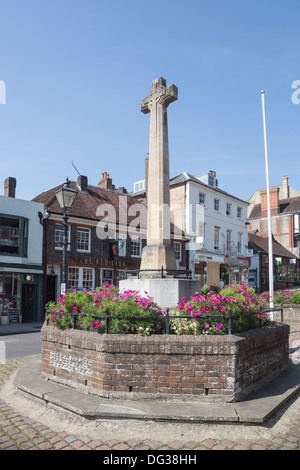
<point x="165" y="366"/>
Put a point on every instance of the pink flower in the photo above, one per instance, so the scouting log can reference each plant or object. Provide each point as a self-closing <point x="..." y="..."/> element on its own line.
<point x="95" y="324"/>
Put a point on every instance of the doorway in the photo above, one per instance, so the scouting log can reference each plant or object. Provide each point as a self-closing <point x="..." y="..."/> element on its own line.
<point x="51" y="288"/>
<point x="29" y="304"/>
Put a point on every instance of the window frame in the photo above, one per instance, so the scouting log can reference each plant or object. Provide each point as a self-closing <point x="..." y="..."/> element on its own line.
<point x="204" y="198"/>
<point x="217" y="204"/>
<point x="228" y="209"/>
<point x="133" y="243"/>
<point x="228" y="240"/>
<point x="240" y="243"/>
<point x="202" y="232"/>
<point x="217" y="231"/>
<point x="79" y="281"/>
<point x="22" y="229"/>
<point x="60" y="227"/>
<point x="83" y="230"/>
<point x="178" y="253"/>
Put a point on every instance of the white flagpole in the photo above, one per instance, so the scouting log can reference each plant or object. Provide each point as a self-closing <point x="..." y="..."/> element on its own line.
<point x="271" y="279"/>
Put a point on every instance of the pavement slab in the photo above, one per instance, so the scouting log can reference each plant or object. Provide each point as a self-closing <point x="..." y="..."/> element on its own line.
<point x="256" y="408"/>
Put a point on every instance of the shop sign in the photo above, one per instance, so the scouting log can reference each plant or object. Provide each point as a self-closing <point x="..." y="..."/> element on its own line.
<point x="215" y="259"/>
<point x="13" y="315"/>
<point x="107" y="274"/>
<point x="103" y="262"/>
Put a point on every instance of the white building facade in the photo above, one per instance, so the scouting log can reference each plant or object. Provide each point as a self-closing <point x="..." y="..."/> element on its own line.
<point x="215" y="222"/>
<point x="21" y="257"/>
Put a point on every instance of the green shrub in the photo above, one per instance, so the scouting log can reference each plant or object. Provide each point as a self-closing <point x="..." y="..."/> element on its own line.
<point x="284" y="296"/>
<point x="211" y="310"/>
<point x="207" y="311"/>
<point x="107" y="298"/>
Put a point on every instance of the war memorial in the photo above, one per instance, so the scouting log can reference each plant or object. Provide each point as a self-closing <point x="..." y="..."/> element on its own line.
<point x="172" y="367"/>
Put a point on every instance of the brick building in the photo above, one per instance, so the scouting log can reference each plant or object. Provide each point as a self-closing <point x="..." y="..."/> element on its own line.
<point x="285" y="221"/>
<point x="285" y="213"/>
<point x="106" y="233"/>
<point x="286" y="267"/>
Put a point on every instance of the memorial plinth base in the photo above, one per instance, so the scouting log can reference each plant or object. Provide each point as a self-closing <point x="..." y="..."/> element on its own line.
<point x="157" y="255"/>
<point x="166" y="292"/>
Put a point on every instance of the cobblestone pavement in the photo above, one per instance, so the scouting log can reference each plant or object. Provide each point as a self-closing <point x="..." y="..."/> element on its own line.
<point x="20" y="432"/>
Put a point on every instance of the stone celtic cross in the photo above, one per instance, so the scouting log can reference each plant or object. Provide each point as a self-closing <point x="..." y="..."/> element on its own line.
<point x="158" y="251"/>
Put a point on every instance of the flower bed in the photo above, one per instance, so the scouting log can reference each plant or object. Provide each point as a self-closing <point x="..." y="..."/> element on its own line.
<point x="205" y="313"/>
<point x="284" y="296"/>
<point x="136" y="359"/>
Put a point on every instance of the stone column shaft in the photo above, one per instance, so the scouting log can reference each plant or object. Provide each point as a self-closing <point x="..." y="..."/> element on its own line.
<point x="158" y="192"/>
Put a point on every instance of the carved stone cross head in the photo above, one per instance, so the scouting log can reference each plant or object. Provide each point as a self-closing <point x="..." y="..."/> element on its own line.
<point x="159" y="94"/>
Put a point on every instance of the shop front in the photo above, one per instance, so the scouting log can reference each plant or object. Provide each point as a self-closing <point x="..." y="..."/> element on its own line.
<point x="19" y="295"/>
<point x="206" y="268"/>
<point x="237" y="269"/>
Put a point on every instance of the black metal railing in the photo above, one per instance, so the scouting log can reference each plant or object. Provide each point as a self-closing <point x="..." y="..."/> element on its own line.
<point x="167" y="317"/>
<point x="162" y="273"/>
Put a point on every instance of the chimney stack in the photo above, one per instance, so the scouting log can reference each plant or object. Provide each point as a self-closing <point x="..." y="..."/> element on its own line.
<point x="10" y="187"/>
<point x="106" y="182"/>
<point x="285" y="187"/>
<point x="82" y="183"/>
<point x="122" y="190"/>
<point x="274" y="202"/>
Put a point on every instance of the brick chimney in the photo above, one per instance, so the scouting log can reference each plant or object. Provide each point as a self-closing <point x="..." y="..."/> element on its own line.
<point x="106" y="182"/>
<point x="274" y="202"/>
<point x="122" y="190"/>
<point x="10" y="187"/>
<point x="285" y="187"/>
<point x="82" y="183"/>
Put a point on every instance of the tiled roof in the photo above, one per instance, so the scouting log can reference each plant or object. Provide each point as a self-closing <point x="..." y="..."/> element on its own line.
<point x="87" y="203"/>
<point x="184" y="177"/>
<point x="258" y="243"/>
<point x="286" y="206"/>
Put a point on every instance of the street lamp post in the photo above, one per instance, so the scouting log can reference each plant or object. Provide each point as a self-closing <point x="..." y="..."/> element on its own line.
<point x="65" y="197"/>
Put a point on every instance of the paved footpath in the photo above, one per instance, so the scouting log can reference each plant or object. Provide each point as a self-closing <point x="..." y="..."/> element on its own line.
<point x="19" y="431"/>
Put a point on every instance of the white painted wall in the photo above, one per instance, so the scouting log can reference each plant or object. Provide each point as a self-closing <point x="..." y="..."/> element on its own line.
<point x="29" y="210"/>
<point x="212" y="218"/>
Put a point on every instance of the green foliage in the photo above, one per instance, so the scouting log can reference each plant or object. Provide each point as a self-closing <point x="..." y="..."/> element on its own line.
<point x="107" y="298"/>
<point x="211" y="309"/>
<point x="287" y="296"/>
<point x="208" y="312"/>
<point x="213" y="288"/>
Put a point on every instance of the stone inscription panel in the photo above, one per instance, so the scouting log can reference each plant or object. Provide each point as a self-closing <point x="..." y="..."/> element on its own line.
<point x="71" y="363"/>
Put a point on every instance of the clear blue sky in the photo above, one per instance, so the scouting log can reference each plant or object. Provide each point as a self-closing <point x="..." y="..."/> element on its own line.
<point x="76" y="70"/>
